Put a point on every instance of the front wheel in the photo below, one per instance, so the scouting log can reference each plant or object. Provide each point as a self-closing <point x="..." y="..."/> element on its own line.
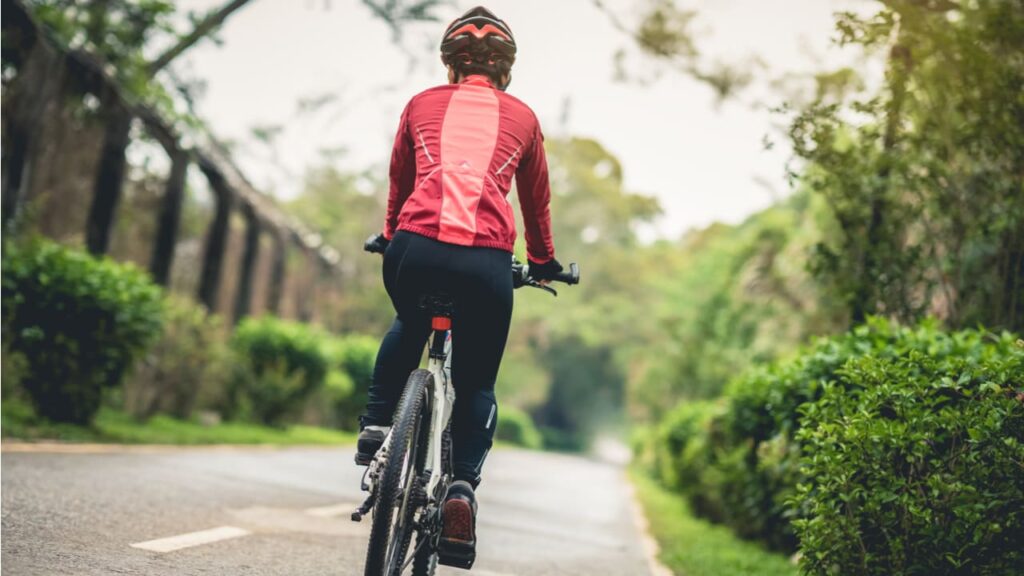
<point x="399" y="493"/>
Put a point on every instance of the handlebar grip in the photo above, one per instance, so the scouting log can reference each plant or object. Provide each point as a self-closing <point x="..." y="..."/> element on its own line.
<point x="571" y="276"/>
<point x="375" y="244"/>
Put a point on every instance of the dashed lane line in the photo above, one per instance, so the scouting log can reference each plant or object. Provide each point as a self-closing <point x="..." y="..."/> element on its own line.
<point x="191" y="539"/>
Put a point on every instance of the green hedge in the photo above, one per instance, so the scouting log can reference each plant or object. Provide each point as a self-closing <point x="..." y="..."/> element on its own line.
<point x="188" y="363"/>
<point x="279" y="364"/>
<point x="915" y="465"/>
<point x="78" y="321"/>
<point x="352" y="359"/>
<point x="770" y="456"/>
<point x="516" y="427"/>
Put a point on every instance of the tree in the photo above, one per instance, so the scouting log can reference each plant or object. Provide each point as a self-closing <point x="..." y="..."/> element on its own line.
<point x="927" y="186"/>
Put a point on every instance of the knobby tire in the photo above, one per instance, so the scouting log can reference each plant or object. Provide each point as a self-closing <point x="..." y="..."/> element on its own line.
<point x="407" y="432"/>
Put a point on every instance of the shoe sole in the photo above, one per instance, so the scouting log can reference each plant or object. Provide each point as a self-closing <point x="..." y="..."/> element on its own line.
<point x="458" y="523"/>
<point x="363" y="459"/>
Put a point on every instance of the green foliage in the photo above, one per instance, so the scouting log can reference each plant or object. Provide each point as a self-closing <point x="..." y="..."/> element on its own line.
<point x="345" y="209"/>
<point x="116" y="31"/>
<point x="78" y="321"/>
<point x="279" y="363"/>
<point x="738" y="296"/>
<point x="741" y="462"/>
<point x="20" y="422"/>
<point x="516" y="427"/>
<point x="352" y="360"/>
<point x="913" y="464"/>
<point x="189" y="361"/>
<point x="924" y="178"/>
<point x="695" y="547"/>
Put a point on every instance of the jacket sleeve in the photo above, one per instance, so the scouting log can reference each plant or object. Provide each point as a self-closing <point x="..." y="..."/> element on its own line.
<point x="402" y="174"/>
<point x="535" y="199"/>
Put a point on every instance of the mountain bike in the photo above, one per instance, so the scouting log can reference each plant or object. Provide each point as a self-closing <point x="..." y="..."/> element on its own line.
<point x="408" y="478"/>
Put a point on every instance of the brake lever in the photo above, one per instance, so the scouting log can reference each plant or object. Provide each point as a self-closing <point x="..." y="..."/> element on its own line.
<point x="544" y="287"/>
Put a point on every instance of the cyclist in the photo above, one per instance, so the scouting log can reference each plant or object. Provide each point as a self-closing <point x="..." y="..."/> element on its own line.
<point x="450" y="228"/>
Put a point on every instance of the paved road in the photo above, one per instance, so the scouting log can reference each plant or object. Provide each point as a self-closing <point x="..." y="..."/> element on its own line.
<point x="541" y="514"/>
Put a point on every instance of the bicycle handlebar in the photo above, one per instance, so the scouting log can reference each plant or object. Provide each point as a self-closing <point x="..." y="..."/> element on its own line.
<point x="520" y="272"/>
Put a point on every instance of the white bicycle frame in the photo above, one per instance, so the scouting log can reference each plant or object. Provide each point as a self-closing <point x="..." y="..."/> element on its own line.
<point x="442" y="400"/>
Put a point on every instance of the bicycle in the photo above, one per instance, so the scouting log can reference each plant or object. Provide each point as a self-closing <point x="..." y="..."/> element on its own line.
<point x="408" y="478"/>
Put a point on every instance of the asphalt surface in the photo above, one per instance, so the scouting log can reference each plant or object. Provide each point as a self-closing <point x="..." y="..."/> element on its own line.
<point x="540" y="514"/>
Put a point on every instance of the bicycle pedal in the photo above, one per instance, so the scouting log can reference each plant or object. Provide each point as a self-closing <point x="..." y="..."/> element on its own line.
<point x="456" y="554"/>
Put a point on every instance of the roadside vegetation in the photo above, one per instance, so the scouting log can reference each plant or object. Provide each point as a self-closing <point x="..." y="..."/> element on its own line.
<point x="94" y="351"/>
<point x="694" y="546"/>
<point x="114" y="426"/>
<point x="844" y="376"/>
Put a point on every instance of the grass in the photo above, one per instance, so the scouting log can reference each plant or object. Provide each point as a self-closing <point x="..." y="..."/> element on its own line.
<point x="19" y="422"/>
<point x="694" y="547"/>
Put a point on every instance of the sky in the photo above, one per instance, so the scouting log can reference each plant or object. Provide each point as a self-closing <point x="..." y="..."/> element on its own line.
<point x="705" y="160"/>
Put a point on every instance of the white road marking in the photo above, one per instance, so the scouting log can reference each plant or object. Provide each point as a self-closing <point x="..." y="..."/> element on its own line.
<point x="191" y="539"/>
<point x="650" y="545"/>
<point x="332" y="511"/>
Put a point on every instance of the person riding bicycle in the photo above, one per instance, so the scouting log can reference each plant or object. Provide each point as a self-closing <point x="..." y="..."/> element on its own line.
<point x="450" y="228"/>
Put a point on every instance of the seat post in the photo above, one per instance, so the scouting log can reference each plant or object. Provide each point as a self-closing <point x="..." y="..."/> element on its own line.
<point x="441" y="325"/>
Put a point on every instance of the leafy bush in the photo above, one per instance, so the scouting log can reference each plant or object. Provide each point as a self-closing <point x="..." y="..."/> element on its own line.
<point x="516" y="427"/>
<point x="742" y="464"/>
<point x="913" y="466"/>
<point x="79" y="322"/>
<point x="353" y="357"/>
<point x="189" y="359"/>
<point x="279" y="363"/>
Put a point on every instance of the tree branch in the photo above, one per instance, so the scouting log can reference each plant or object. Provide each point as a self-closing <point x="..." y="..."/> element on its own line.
<point x="202" y="29"/>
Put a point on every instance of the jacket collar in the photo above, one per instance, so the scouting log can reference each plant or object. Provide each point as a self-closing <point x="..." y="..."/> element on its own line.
<point x="477" y="80"/>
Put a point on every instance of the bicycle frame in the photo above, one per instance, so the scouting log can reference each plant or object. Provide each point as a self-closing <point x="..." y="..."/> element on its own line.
<point x="442" y="400"/>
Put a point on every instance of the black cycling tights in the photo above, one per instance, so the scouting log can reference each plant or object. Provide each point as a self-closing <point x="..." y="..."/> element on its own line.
<point x="480" y="282"/>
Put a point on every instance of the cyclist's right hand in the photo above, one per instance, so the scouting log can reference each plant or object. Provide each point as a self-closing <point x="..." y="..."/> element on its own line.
<point x="545" y="272"/>
<point x="376" y="243"/>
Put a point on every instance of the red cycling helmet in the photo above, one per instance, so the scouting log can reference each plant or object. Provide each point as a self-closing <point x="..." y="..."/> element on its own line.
<point x="478" y="42"/>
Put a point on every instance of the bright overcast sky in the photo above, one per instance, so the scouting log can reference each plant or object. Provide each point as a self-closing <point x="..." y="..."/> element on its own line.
<point x="704" y="161"/>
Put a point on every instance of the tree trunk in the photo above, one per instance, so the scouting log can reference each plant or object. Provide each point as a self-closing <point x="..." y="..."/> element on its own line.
<point x="110" y="176"/>
<point x="243" y="299"/>
<point x="216" y="240"/>
<point x="170" y="216"/>
<point x="277" y="272"/>
<point x="866" y="294"/>
<point x="306" y="290"/>
<point x="39" y="80"/>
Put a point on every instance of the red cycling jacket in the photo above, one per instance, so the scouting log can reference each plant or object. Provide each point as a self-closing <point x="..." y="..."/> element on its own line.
<point x="457" y="147"/>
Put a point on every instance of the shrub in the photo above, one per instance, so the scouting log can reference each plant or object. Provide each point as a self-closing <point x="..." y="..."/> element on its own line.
<point x="354" y="357"/>
<point x="742" y="464"/>
<point x="79" y="322"/>
<point x="766" y="412"/>
<point x="913" y="465"/>
<point x="279" y="363"/>
<point x="190" y="357"/>
<point x="516" y="427"/>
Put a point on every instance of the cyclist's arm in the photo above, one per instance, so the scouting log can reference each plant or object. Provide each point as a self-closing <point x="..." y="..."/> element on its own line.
<point x="402" y="174"/>
<point x="535" y="199"/>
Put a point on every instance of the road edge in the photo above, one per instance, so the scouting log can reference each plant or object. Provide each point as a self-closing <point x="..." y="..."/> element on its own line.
<point x="650" y="545"/>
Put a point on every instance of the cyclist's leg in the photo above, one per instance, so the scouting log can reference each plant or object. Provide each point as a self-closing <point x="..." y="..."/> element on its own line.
<point x="399" y="354"/>
<point x="405" y="272"/>
<point x="480" y="327"/>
